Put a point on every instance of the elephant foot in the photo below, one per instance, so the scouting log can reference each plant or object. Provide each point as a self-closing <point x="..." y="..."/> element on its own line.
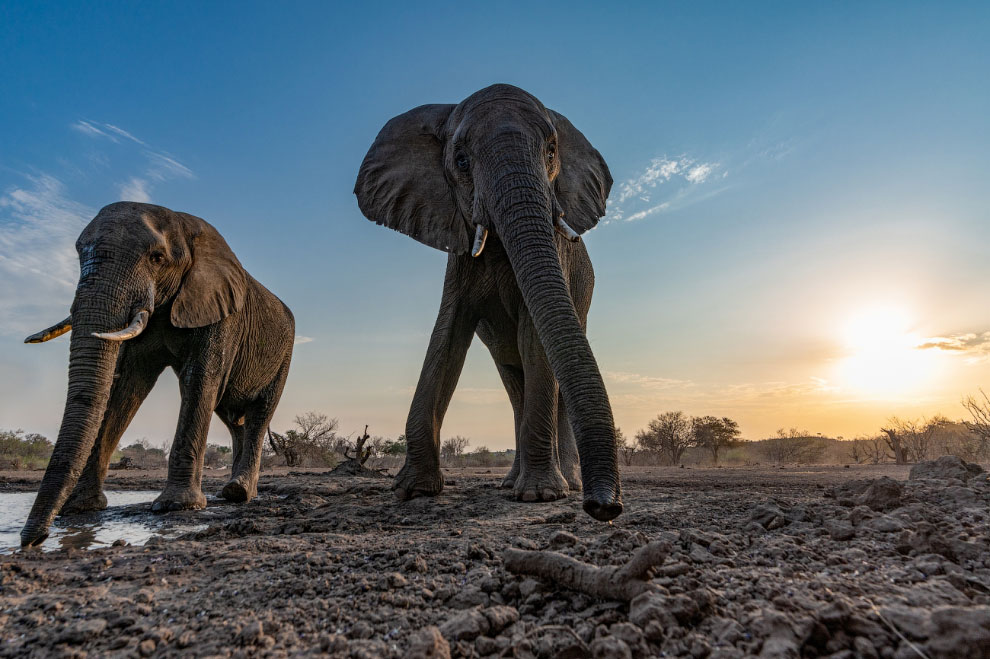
<point x="80" y="502"/>
<point x="410" y="483"/>
<point x="240" y="489"/>
<point x="179" y="499"/>
<point x="509" y="482"/>
<point x="572" y="474"/>
<point x="548" y="485"/>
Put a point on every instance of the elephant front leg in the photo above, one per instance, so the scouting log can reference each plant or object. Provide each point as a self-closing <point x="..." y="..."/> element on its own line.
<point x="185" y="460"/>
<point x="449" y="343"/>
<point x="135" y="377"/>
<point x="539" y="476"/>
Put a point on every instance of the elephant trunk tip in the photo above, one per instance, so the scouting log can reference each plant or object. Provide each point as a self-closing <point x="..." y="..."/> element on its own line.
<point x="33" y="537"/>
<point x="603" y="503"/>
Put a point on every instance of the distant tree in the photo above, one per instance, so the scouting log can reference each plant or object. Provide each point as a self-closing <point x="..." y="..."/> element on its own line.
<point x="454" y="447"/>
<point x="979" y="411"/>
<point x="314" y="439"/>
<point x="666" y="437"/>
<point x="395" y="447"/>
<point x="217" y="456"/>
<point x="714" y="435"/>
<point x="625" y="450"/>
<point x="20" y="451"/>
<point x="789" y="446"/>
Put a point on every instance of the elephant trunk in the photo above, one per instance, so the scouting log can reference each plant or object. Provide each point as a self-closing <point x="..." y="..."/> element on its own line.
<point x="520" y="203"/>
<point x="91" y="366"/>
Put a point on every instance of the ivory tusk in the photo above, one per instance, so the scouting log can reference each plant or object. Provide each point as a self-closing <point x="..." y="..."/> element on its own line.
<point x="480" y="236"/>
<point x="136" y="327"/>
<point x="52" y="332"/>
<point x="565" y="230"/>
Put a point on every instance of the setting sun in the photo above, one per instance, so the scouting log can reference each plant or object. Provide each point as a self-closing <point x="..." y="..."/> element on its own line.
<point x="882" y="358"/>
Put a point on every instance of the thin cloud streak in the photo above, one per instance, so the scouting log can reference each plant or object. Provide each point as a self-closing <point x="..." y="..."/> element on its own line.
<point x="160" y="166"/>
<point x="972" y="345"/>
<point x="682" y="174"/>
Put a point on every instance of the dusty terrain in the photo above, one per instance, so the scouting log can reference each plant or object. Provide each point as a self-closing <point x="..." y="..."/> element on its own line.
<point x="755" y="561"/>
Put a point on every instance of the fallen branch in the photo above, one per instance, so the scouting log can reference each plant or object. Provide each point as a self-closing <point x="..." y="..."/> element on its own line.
<point x="617" y="582"/>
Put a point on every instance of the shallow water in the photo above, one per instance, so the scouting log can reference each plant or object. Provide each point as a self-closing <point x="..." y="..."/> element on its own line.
<point x="127" y="517"/>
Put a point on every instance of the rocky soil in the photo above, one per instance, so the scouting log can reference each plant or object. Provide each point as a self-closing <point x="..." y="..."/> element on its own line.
<point x="798" y="562"/>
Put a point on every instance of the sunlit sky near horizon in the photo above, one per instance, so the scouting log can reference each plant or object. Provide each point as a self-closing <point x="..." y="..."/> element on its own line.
<point x="797" y="235"/>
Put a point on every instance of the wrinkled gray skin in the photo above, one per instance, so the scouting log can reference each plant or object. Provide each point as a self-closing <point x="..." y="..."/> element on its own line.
<point x="503" y="161"/>
<point x="228" y="339"/>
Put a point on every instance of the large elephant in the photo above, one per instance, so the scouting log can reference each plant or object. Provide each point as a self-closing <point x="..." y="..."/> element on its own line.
<point x="183" y="300"/>
<point x="506" y="186"/>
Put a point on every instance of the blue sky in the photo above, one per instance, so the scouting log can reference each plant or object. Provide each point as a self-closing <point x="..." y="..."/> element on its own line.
<point x="784" y="172"/>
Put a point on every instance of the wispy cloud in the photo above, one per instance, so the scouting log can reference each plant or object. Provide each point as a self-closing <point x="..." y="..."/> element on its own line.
<point x="636" y="198"/>
<point x="135" y="189"/>
<point x="107" y="131"/>
<point x="645" y="381"/>
<point x="159" y="166"/>
<point x="39" y="224"/>
<point x="300" y="339"/>
<point x="648" y="392"/>
<point x="972" y="345"/>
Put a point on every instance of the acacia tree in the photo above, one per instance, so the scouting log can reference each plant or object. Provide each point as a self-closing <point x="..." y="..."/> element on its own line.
<point x="622" y="446"/>
<point x="913" y="440"/>
<point x="314" y="438"/>
<point x="714" y="434"/>
<point x="979" y="410"/>
<point x="453" y="447"/>
<point x="793" y="446"/>
<point x="666" y="436"/>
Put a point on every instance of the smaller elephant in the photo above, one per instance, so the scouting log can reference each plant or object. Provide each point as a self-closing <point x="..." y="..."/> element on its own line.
<point x="162" y="289"/>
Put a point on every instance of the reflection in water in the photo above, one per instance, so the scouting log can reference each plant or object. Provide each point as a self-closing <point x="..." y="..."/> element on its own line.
<point x="126" y="518"/>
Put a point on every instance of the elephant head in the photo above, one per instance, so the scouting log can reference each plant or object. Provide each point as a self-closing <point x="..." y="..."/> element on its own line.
<point x="500" y="162"/>
<point x="136" y="261"/>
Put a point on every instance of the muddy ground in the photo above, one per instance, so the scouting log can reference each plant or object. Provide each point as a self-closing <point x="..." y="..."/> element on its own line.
<point x="818" y="561"/>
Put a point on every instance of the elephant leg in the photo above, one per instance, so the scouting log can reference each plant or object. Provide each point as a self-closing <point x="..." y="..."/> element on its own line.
<point x="513" y="381"/>
<point x="567" y="452"/>
<point x="539" y="476"/>
<point x="183" y="491"/>
<point x="243" y="484"/>
<point x="136" y="373"/>
<point x="449" y="343"/>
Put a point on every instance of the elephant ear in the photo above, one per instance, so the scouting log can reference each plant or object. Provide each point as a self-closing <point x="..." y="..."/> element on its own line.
<point x="584" y="181"/>
<point x="215" y="285"/>
<point x="402" y="184"/>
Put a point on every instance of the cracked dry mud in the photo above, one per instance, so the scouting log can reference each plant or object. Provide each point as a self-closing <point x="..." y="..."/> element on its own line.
<point x="797" y="562"/>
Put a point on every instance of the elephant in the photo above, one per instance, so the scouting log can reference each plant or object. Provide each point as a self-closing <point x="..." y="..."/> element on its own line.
<point x="490" y="181"/>
<point x="159" y="288"/>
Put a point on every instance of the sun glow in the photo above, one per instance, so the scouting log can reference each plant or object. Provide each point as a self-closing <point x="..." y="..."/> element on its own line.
<point x="883" y="360"/>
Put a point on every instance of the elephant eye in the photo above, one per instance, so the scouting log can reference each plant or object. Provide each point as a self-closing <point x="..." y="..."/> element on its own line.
<point x="551" y="153"/>
<point x="157" y="258"/>
<point x="462" y="163"/>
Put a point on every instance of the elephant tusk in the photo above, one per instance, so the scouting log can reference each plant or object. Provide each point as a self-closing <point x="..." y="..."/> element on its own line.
<point x="52" y="332"/>
<point x="565" y="230"/>
<point x="480" y="236"/>
<point x="136" y="327"/>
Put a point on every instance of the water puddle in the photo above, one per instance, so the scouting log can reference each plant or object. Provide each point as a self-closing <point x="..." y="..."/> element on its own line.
<point x="127" y="517"/>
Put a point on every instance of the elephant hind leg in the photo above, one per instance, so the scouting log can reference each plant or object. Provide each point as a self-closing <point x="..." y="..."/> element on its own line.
<point x="243" y="484"/>
<point x="570" y="463"/>
<point x="539" y="476"/>
<point x="514" y="383"/>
